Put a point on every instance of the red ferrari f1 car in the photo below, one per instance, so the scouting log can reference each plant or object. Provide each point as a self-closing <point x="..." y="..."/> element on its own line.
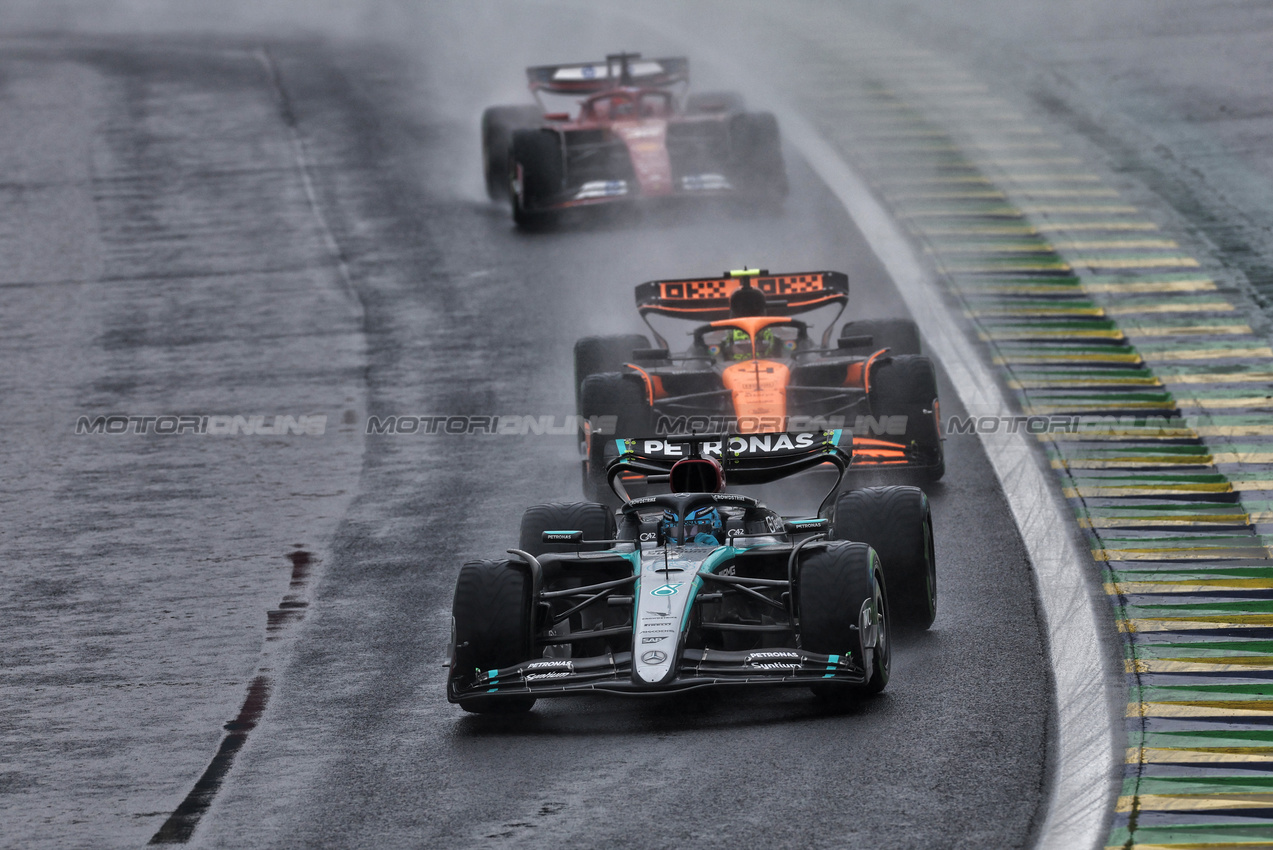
<point x="636" y="134"/>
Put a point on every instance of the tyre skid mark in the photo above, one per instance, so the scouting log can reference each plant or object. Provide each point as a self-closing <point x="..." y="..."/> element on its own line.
<point x="181" y="824"/>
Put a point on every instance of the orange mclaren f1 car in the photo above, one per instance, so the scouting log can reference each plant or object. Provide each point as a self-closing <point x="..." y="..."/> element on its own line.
<point x="752" y="367"/>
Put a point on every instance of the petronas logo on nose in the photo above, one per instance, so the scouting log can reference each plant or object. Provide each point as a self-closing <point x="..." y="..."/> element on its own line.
<point x="666" y="590"/>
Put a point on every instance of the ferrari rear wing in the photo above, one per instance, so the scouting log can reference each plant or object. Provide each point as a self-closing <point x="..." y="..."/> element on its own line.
<point x="707" y="299"/>
<point x="620" y="69"/>
<point x="746" y="458"/>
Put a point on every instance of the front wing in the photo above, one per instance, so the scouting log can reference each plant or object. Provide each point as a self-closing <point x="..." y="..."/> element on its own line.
<point x="626" y="189"/>
<point x="698" y="668"/>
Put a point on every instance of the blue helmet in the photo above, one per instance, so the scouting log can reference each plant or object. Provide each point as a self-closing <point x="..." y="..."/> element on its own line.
<point x="703" y="527"/>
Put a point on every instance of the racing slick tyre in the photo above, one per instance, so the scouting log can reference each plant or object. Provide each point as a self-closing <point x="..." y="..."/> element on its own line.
<point x="623" y="396"/>
<point x="715" y="101"/>
<point x="595" y="354"/>
<point x="907" y="385"/>
<point x="491" y="627"/>
<point x="833" y="583"/>
<point x="899" y="336"/>
<point x="594" y="520"/>
<point x="758" y="154"/>
<point x="536" y="175"/>
<point x="498" y="124"/>
<point x="898" y="525"/>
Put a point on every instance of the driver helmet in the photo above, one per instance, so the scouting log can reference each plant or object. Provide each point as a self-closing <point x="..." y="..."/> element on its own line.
<point x="703" y="527"/>
<point x="738" y="345"/>
<point x="622" y="107"/>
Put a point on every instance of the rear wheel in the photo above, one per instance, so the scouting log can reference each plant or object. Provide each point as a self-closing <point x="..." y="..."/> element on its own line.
<point x="621" y="395"/>
<point x="906" y="385"/>
<point x="899" y="336"/>
<point x="596" y="521"/>
<point x="898" y="524"/>
<point x="491" y="627"/>
<point x="536" y="174"/>
<point x="498" y="124"/>
<point x="595" y="354"/>
<point x="715" y="101"/>
<point x="834" y="582"/>
<point x="758" y="154"/>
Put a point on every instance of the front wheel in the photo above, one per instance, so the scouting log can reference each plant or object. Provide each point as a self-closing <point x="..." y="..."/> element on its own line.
<point x="843" y="609"/>
<point x="491" y="627"/>
<point x="596" y="521"/>
<point x="498" y="124"/>
<point x="536" y="176"/>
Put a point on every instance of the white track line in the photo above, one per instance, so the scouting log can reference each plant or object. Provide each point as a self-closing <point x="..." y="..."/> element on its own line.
<point x="1084" y="780"/>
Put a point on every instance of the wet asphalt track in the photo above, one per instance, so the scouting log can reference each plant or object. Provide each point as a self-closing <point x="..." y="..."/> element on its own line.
<point x="177" y="265"/>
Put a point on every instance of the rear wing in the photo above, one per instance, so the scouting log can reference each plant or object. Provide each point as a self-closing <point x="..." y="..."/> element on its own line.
<point x="746" y="458"/>
<point x="621" y="69"/>
<point x="707" y="299"/>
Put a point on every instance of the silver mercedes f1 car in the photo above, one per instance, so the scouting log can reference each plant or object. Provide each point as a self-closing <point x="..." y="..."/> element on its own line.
<point x="697" y="587"/>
